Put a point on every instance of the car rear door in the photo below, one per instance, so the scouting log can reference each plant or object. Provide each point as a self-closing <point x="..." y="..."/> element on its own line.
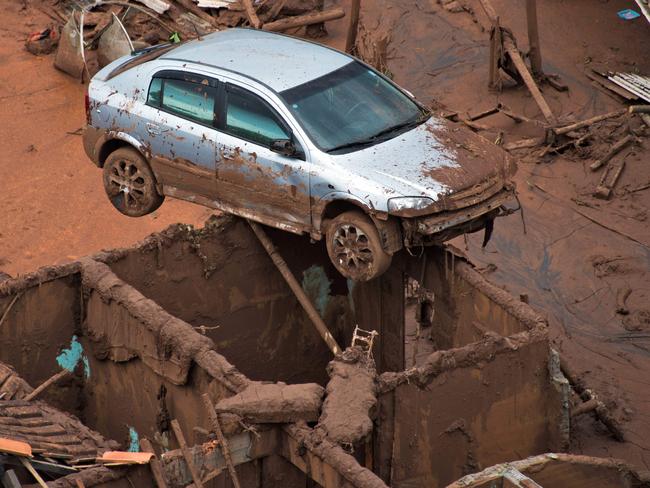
<point x="249" y="174"/>
<point x="181" y="131"/>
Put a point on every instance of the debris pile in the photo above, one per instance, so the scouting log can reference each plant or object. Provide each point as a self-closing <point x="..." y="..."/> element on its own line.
<point x="95" y="32"/>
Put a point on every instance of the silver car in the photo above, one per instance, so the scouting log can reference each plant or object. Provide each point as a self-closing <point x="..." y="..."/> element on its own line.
<point x="293" y="135"/>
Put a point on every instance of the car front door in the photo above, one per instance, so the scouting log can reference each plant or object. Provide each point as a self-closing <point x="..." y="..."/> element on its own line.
<point x="251" y="175"/>
<point x="181" y="132"/>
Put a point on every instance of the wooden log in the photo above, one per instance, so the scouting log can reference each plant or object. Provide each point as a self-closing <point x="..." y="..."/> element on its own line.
<point x="190" y="6"/>
<point x="524" y="143"/>
<point x="46" y="384"/>
<point x="535" y="53"/>
<point x="186" y="453"/>
<point x="307" y="19"/>
<point x="639" y="109"/>
<point x="154" y="464"/>
<point x="252" y="14"/>
<point x="225" y="448"/>
<point x="302" y="297"/>
<point x="614" y="150"/>
<point x="587" y="122"/>
<point x="353" y="26"/>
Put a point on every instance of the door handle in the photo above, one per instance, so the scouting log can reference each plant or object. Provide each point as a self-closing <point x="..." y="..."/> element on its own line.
<point x="154" y="129"/>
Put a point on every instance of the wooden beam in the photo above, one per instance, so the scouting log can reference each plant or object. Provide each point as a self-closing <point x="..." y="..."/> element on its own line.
<point x="252" y="14"/>
<point x="535" y="53"/>
<point x="291" y="280"/>
<point x="223" y="442"/>
<point x="353" y="26"/>
<point x="513" y="53"/>
<point x="154" y="464"/>
<point x="324" y="461"/>
<point x="244" y="447"/>
<point x="307" y="19"/>
<point x="186" y="453"/>
<point x="42" y="387"/>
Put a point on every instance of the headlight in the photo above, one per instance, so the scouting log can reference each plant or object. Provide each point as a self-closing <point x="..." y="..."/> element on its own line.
<point x="402" y="205"/>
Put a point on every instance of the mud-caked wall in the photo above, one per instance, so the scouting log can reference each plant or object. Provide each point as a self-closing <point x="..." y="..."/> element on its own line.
<point x="222" y="282"/>
<point x="40" y="329"/>
<point x="464" y="310"/>
<point x="487" y="395"/>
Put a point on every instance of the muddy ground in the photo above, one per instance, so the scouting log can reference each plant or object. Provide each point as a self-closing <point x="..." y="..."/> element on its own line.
<point x="578" y="255"/>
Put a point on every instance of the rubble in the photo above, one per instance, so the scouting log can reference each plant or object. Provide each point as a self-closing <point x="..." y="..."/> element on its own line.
<point x="351" y="398"/>
<point x="275" y="403"/>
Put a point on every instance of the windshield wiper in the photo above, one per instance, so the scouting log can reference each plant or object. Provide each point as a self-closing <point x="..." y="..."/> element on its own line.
<point x="382" y="134"/>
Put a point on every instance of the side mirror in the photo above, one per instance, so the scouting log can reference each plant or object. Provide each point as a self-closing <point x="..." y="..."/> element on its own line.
<point x="286" y="147"/>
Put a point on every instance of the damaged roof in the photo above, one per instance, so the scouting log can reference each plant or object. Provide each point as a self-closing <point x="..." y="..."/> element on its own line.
<point x="279" y="61"/>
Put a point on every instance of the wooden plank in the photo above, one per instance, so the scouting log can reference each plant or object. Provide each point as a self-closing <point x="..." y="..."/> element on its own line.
<point x="223" y="443"/>
<point x="251" y="14"/>
<point x="156" y="467"/>
<point x="46" y="384"/>
<point x="186" y="453"/>
<point x="535" y="53"/>
<point x="32" y="471"/>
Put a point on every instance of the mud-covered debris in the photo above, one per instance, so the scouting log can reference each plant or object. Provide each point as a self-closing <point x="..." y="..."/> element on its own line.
<point x="351" y="397"/>
<point x="43" y="41"/>
<point x="275" y="403"/>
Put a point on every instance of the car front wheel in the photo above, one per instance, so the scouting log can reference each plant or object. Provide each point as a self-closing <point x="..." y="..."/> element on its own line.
<point x="354" y="246"/>
<point x="130" y="184"/>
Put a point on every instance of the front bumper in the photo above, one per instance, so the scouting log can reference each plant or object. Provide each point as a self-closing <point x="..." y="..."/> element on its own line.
<point x="441" y="227"/>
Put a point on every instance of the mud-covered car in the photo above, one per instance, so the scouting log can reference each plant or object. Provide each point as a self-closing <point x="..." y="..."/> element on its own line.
<point x="294" y="135"/>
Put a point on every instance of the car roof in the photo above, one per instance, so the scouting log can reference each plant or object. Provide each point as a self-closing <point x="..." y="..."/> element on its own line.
<point x="280" y="62"/>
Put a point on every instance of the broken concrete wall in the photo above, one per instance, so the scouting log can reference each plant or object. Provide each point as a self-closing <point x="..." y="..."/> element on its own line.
<point x="205" y="278"/>
<point x="486" y="396"/>
<point x="466" y="305"/>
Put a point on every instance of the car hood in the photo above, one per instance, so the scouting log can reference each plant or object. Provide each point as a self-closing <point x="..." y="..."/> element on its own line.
<point x="437" y="159"/>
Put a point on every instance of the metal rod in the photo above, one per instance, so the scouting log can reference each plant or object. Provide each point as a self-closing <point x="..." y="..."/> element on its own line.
<point x="302" y="297"/>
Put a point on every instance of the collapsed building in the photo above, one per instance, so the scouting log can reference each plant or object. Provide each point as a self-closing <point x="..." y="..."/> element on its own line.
<point x="192" y="345"/>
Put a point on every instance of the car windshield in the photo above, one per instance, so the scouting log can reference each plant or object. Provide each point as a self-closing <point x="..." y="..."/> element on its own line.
<point x="352" y="107"/>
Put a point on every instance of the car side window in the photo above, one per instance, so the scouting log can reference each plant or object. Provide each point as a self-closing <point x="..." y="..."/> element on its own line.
<point x="187" y="99"/>
<point x="251" y="118"/>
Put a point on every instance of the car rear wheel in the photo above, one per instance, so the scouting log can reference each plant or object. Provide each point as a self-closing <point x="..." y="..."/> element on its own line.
<point x="354" y="246"/>
<point x="130" y="184"/>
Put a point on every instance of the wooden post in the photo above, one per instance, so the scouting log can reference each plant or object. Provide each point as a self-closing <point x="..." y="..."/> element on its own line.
<point x="495" y="53"/>
<point x="187" y="454"/>
<point x="535" y="52"/>
<point x="225" y="448"/>
<point x="154" y="464"/>
<point x="302" y="297"/>
<point x="511" y="50"/>
<point x="252" y="14"/>
<point x="353" y="26"/>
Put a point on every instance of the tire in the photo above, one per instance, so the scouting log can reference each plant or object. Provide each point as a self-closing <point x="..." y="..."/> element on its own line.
<point x="130" y="184"/>
<point x="354" y="247"/>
